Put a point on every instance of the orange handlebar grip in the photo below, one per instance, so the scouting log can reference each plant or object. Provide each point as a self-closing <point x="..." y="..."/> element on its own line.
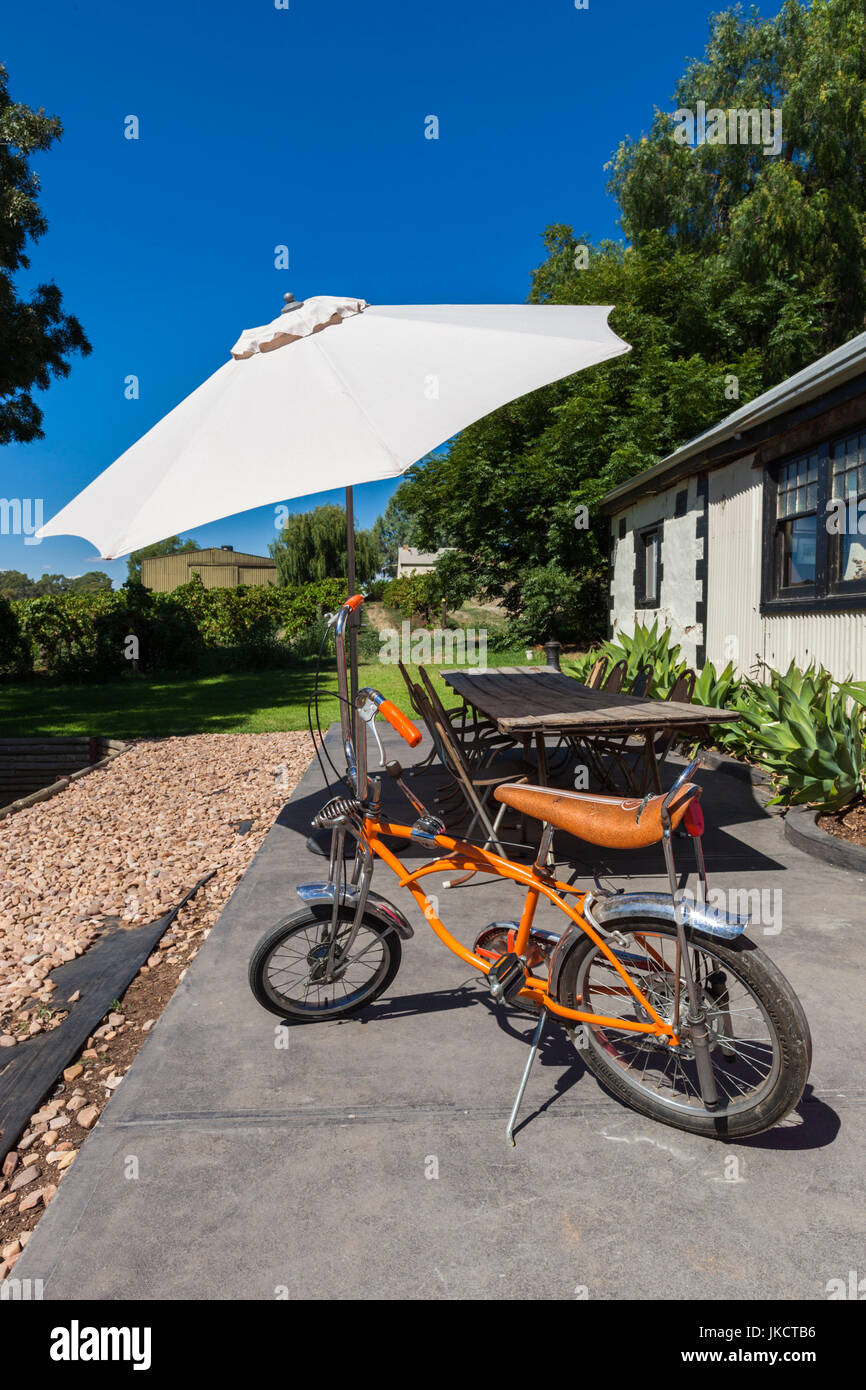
<point x="355" y="601"/>
<point x="397" y="719"/>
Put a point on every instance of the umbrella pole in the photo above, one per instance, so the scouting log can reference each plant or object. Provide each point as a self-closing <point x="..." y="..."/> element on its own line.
<point x="350" y="575"/>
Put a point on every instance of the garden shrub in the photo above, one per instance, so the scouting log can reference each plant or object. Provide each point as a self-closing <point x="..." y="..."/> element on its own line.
<point x="414" y="595"/>
<point x="84" y="636"/>
<point x="16" y="656"/>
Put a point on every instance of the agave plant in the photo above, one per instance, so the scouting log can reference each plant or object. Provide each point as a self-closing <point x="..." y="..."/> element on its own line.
<point x="646" y="646"/>
<point x="715" y="690"/>
<point x="809" y="732"/>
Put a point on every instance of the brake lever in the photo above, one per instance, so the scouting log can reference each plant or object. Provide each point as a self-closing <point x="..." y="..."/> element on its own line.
<point x="367" y="712"/>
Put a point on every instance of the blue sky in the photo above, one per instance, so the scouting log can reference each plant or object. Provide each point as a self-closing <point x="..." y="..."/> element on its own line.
<point x="305" y="127"/>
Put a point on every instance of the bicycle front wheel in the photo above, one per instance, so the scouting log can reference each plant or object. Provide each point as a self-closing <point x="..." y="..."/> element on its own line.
<point x="294" y="972"/>
<point x="760" y="1045"/>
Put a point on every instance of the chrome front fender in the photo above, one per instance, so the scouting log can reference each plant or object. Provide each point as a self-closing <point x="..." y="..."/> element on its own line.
<point x="379" y="908"/>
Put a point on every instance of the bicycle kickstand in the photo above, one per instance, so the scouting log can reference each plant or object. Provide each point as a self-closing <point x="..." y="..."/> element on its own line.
<point x="533" y="1052"/>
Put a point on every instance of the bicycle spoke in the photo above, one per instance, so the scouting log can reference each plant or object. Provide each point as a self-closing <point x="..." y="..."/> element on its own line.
<point x="743" y="1066"/>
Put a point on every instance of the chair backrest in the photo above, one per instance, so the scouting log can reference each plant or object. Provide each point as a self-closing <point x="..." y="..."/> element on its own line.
<point x="410" y="686"/>
<point x="433" y="696"/>
<point x="596" y="675"/>
<point x="681" y="691"/>
<point x="615" y="676"/>
<point x="451" y="755"/>
<point x="641" y="681"/>
<point x="683" y="688"/>
<point x="425" y="710"/>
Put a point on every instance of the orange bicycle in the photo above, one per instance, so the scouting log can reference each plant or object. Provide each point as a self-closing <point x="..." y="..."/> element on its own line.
<point x="676" y="1012"/>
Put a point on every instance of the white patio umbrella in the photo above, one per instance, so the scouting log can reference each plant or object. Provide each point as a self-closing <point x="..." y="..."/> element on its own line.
<point x="332" y="393"/>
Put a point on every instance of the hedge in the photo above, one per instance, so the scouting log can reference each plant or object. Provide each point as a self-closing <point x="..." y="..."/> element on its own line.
<point x="87" y="636"/>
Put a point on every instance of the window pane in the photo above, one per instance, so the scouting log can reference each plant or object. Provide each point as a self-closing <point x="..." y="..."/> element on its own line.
<point x="651" y="543"/>
<point x="853" y="558"/>
<point x="798" y="551"/>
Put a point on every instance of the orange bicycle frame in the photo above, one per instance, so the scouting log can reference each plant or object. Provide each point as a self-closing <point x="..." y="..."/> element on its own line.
<point x="459" y="854"/>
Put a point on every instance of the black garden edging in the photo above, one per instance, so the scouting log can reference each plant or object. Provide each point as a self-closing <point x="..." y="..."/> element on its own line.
<point x="102" y="974"/>
<point x="803" y="831"/>
<point x="801" y="828"/>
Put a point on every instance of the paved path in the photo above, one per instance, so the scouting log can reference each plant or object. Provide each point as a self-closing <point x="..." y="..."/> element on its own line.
<point x="305" y="1169"/>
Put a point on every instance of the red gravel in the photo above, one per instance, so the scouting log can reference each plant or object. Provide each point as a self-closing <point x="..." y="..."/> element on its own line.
<point x="127" y="843"/>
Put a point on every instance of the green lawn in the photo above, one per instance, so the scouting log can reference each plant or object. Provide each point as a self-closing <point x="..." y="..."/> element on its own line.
<point x="244" y="702"/>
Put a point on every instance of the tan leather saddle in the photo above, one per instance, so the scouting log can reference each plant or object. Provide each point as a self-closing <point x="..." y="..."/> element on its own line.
<point x="613" y="822"/>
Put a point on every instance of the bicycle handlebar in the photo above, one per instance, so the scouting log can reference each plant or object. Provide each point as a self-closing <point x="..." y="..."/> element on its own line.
<point x="397" y="719"/>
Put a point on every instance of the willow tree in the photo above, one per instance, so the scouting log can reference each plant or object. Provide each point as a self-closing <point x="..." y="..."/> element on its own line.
<point x="312" y="545"/>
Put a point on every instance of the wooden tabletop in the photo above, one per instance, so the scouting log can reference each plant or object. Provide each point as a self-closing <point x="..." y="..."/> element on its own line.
<point x="529" y="699"/>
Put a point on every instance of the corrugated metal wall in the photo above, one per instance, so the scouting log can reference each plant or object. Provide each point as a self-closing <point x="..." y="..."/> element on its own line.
<point x="735" y="628"/>
<point x="219" y="569"/>
<point x="257" y="574"/>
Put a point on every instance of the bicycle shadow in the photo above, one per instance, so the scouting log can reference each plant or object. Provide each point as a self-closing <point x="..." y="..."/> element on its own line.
<point x="812" y="1124"/>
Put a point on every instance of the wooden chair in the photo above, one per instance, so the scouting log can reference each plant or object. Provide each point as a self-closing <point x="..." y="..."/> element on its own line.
<point x="681" y="692"/>
<point x="640" y="761"/>
<point x="615" y="747"/>
<point x="481" y="741"/>
<point x="596" y="675"/>
<point x="612" y="682"/>
<point x="570" y="745"/>
<point x="471" y="788"/>
<point x="432" y="755"/>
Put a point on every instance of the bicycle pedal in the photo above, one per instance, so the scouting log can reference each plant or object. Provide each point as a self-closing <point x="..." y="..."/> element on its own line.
<point x="506" y="978"/>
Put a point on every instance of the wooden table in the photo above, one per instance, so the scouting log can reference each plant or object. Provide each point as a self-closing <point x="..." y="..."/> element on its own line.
<point x="529" y="702"/>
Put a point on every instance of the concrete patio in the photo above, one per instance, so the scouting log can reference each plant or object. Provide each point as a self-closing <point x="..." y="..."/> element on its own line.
<point x="305" y="1171"/>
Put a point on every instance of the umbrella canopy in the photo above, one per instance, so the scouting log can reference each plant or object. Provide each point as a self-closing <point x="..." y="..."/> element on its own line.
<point x="334" y="393"/>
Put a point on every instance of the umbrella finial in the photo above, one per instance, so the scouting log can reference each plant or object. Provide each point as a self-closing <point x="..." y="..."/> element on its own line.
<point x="291" y="303"/>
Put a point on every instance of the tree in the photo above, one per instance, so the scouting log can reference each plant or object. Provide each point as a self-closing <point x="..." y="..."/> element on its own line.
<point x="36" y="336"/>
<point x="740" y="269"/>
<point x="519" y="490"/>
<point x="93" y="582"/>
<point x="312" y="545"/>
<point x="173" y="545"/>
<point x="398" y="527"/>
<point x="795" y="219"/>
<point x="14" y="584"/>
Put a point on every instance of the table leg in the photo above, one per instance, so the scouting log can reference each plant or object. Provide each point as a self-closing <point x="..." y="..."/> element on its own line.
<point x="541" y="755"/>
<point x="651" y="767"/>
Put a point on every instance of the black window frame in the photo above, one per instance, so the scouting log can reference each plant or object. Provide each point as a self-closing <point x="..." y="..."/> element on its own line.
<point x="641" y="535"/>
<point x="827" y="594"/>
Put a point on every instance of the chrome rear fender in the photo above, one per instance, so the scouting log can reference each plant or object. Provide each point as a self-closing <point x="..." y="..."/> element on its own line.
<point x="614" y="913"/>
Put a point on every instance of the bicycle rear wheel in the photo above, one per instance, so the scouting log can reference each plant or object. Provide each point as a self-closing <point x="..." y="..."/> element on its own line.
<point x="761" y="1049"/>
